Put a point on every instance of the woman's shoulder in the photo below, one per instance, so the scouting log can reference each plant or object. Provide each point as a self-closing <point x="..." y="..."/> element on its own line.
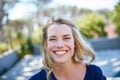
<point x="41" y="75"/>
<point x="94" y="69"/>
<point x="95" y="72"/>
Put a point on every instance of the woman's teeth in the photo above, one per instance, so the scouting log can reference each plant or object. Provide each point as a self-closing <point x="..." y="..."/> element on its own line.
<point x="60" y="52"/>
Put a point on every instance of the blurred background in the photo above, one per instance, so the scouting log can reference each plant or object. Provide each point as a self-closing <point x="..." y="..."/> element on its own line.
<point x="20" y="33"/>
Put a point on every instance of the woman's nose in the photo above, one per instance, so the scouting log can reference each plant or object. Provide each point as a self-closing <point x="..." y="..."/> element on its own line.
<point x="59" y="43"/>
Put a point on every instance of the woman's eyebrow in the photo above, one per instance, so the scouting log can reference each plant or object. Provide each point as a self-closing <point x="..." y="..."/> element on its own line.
<point x="67" y="35"/>
<point x="52" y="36"/>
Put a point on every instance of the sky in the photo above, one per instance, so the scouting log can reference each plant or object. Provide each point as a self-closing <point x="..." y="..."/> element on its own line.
<point x="91" y="4"/>
<point x="22" y="10"/>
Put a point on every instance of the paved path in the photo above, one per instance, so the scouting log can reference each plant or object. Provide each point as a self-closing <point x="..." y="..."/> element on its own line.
<point x="24" y="69"/>
<point x="108" y="60"/>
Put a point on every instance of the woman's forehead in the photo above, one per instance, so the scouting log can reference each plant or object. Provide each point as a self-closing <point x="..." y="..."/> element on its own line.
<point x="59" y="29"/>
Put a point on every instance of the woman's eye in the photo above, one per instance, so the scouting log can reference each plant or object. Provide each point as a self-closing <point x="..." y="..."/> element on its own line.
<point x="67" y="38"/>
<point x="52" y="39"/>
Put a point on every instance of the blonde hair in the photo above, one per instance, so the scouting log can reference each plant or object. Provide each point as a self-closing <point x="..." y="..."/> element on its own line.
<point x="82" y="49"/>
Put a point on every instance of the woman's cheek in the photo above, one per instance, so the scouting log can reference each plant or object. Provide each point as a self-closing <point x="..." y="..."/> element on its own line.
<point x="50" y="46"/>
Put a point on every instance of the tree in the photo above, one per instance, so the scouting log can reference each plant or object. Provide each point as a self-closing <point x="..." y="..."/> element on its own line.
<point x="5" y="5"/>
<point x="105" y="13"/>
<point x="91" y="25"/>
<point x="7" y="29"/>
<point x="115" y="17"/>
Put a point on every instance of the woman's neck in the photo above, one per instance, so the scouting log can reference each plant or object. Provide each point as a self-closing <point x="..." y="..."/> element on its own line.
<point x="65" y="69"/>
<point x="70" y="71"/>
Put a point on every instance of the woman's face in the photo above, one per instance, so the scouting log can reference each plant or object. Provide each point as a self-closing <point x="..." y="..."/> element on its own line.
<point x="60" y="43"/>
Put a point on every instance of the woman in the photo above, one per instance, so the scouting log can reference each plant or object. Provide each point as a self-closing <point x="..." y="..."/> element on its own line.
<point x="64" y="54"/>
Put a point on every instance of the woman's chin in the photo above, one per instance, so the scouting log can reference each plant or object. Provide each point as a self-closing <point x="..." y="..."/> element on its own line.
<point x="60" y="61"/>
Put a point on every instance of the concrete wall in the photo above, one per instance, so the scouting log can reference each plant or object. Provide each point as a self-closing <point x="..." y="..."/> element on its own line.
<point x="7" y="60"/>
<point x="37" y="50"/>
<point x="105" y="43"/>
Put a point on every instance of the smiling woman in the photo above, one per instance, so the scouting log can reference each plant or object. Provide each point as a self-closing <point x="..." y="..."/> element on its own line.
<point x="64" y="52"/>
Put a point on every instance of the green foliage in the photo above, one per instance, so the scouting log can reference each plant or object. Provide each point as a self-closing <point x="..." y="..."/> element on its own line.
<point x="4" y="47"/>
<point x="27" y="43"/>
<point x="20" y="44"/>
<point x="115" y="17"/>
<point x="36" y="36"/>
<point x="16" y="39"/>
<point x="90" y="25"/>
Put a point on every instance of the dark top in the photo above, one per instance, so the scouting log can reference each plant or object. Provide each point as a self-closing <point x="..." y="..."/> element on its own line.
<point x="93" y="72"/>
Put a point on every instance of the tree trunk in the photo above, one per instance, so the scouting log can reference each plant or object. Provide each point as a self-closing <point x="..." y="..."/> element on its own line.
<point x="2" y="12"/>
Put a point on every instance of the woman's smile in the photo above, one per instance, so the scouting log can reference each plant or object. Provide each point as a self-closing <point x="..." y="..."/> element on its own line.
<point x="61" y="52"/>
